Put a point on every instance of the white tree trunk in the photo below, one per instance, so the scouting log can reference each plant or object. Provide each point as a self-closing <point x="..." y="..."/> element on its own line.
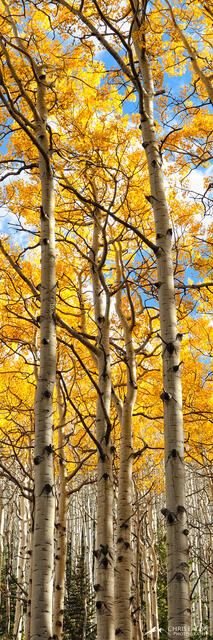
<point x="61" y="546"/>
<point x="210" y="578"/>
<point x="29" y="575"/>
<point x="18" y="621"/>
<point x="153" y="572"/>
<point x="104" y="534"/>
<point x="179" y="609"/>
<point x="123" y="620"/>
<point x="137" y="626"/>
<point x="43" y="538"/>
<point x="1" y="534"/>
<point x="210" y="557"/>
<point x="8" y="565"/>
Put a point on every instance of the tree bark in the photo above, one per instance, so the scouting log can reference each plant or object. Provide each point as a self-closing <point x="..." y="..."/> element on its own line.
<point x="104" y="535"/>
<point x="179" y="610"/>
<point x="153" y="572"/>
<point x="1" y="534"/>
<point x="43" y="539"/>
<point x="137" y="624"/>
<point x="61" y="547"/>
<point x="123" y="620"/>
<point x="18" y="621"/>
<point x="29" y="574"/>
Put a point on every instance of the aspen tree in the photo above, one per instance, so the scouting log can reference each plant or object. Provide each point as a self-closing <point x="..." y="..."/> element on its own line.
<point x="21" y="560"/>
<point x="209" y="516"/>
<point x="138" y="627"/>
<point x="179" y="610"/>
<point x="8" y="564"/>
<point x="200" y="72"/>
<point x="43" y="538"/>
<point x="60" y="554"/>
<point x="104" y="535"/>
<point x="1" y="534"/>
<point x="179" y="614"/>
<point x="197" y="619"/>
<point x="153" y="571"/>
<point x="123" y="621"/>
<point x="29" y="576"/>
<point x="42" y="575"/>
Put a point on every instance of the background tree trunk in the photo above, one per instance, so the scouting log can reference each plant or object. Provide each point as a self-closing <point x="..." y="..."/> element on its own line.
<point x="123" y="620"/>
<point x="18" y="622"/>
<point x="61" y="515"/>
<point x="104" y="533"/>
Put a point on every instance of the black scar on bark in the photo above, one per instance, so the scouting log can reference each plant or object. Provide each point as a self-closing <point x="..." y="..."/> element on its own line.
<point x="120" y="558"/>
<point x="43" y="215"/>
<point x="112" y="449"/>
<point x="48" y="448"/>
<point x="166" y="396"/>
<point x="104" y="562"/>
<point x="179" y="576"/>
<point x="170" y="518"/>
<point x="47" y="394"/>
<point x="181" y="509"/>
<point x="176" y="367"/>
<point x="47" y="489"/>
<point x="179" y="336"/>
<point x="170" y="348"/>
<point x="104" y="549"/>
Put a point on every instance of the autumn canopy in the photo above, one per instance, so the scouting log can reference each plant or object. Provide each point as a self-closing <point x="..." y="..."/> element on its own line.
<point x="106" y="332"/>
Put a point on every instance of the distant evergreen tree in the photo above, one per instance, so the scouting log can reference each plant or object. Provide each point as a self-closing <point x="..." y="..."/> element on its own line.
<point x="79" y="604"/>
